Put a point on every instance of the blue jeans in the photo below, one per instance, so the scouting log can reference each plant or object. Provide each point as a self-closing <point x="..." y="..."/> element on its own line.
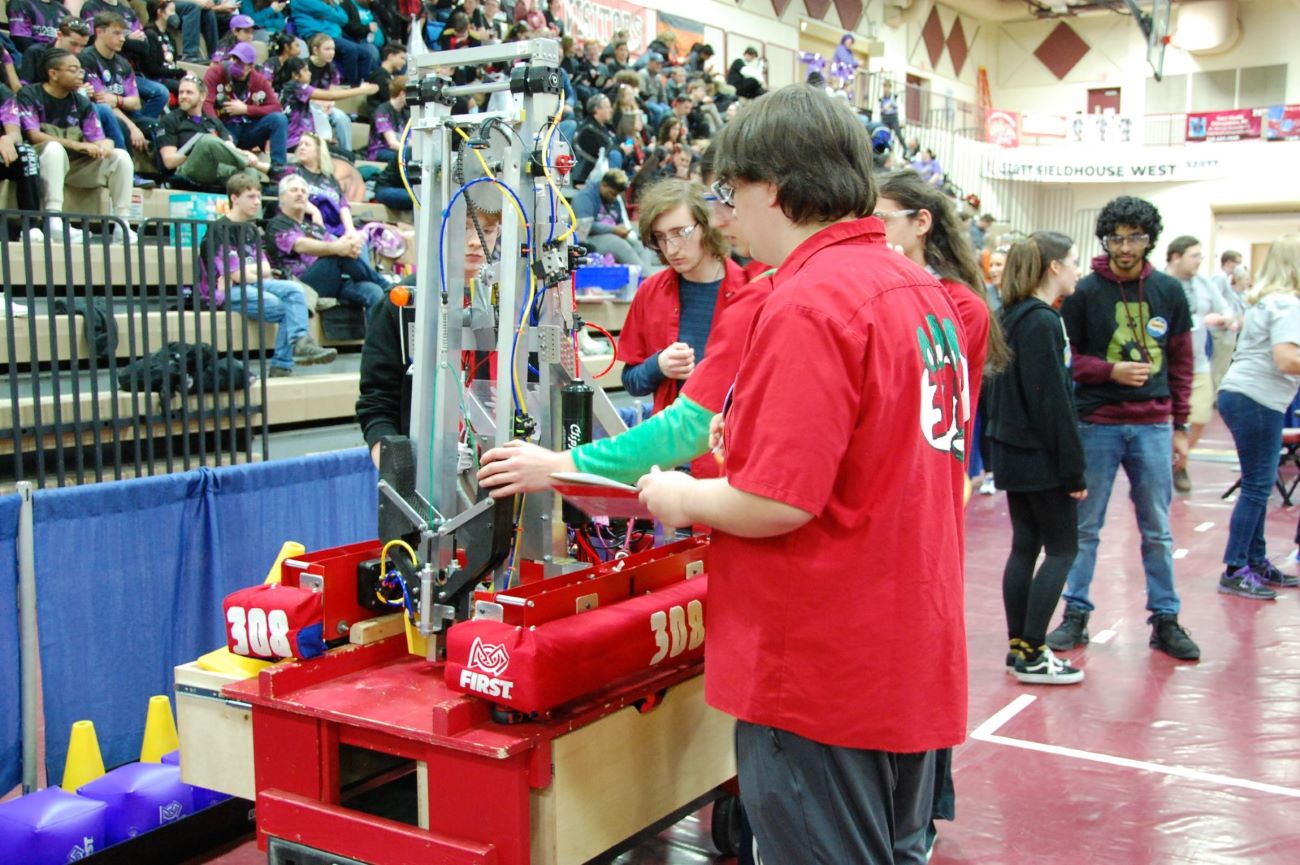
<point x="356" y="60"/>
<point x="269" y="127"/>
<point x="195" y="22"/>
<point x="280" y="302"/>
<point x="394" y="198"/>
<point x="153" y="98"/>
<point x="364" y="287"/>
<point x="1146" y="453"/>
<point x="1257" y="432"/>
<point x="108" y="122"/>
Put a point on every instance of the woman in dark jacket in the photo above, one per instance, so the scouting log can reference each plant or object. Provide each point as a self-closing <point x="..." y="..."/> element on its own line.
<point x="1033" y="445"/>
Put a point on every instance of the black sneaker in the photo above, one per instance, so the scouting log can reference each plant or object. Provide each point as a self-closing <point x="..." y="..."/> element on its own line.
<point x="1172" y="638"/>
<point x="1269" y="573"/>
<point x="1044" y="668"/>
<point x="1015" y="651"/>
<point x="1245" y="582"/>
<point x="279" y="372"/>
<point x="1073" y="630"/>
<point x="306" y="351"/>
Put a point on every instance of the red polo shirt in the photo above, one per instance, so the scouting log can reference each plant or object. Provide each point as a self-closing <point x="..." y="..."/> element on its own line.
<point x="849" y="630"/>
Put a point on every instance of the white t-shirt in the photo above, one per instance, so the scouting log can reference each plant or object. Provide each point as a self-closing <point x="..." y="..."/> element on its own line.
<point x="1274" y="320"/>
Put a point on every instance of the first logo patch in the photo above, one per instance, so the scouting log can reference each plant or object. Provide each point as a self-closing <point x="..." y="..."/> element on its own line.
<point x="1157" y="327"/>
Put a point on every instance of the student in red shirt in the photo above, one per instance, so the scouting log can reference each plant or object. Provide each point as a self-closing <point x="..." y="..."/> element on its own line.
<point x="837" y="531"/>
<point x="920" y="221"/>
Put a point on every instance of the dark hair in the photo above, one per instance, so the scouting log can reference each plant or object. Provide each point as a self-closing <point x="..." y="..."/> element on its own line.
<point x="615" y="179"/>
<point x="391" y="48"/>
<point x="458" y="23"/>
<point x="665" y="128"/>
<point x="672" y="192"/>
<point x="1127" y="210"/>
<point x="707" y="170"/>
<point x="54" y="57"/>
<point x="1230" y="255"/>
<point x="72" y="24"/>
<point x="1179" y="246"/>
<point x="288" y="70"/>
<point x="152" y="8"/>
<point x="947" y="246"/>
<point x="704" y="48"/>
<point x="105" y="19"/>
<point x="809" y="146"/>
<point x="1028" y="262"/>
<point x="280" y="40"/>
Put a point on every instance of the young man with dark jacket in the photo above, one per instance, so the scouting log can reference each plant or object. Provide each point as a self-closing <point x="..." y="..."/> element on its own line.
<point x="1130" y="338"/>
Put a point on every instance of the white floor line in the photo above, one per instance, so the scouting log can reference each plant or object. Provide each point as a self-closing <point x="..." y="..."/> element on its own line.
<point x="1180" y="554"/>
<point x="1006" y="713"/>
<point x="1101" y="638"/>
<point x="1203" y="527"/>
<point x="1141" y="765"/>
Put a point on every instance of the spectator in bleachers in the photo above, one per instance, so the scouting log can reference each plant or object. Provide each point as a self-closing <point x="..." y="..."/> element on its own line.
<point x="554" y="13"/>
<point x="129" y="101"/>
<point x="670" y="132"/>
<point x="59" y="121"/>
<point x="587" y="74"/>
<point x="629" y="132"/>
<point x="610" y="232"/>
<point x="654" y="90"/>
<point x="595" y="134"/>
<point x="675" y="82"/>
<point x="236" y="271"/>
<point x="8" y="72"/>
<point x="928" y="167"/>
<point x="495" y="21"/>
<point x="327" y="79"/>
<point x="293" y="83"/>
<point x="388" y="122"/>
<point x="268" y="18"/>
<point x="135" y="47"/>
<point x="704" y="119"/>
<point x="20" y="164"/>
<point x="197" y="19"/>
<point x="243" y="99"/>
<point x="34" y="22"/>
<point x="700" y="59"/>
<point x="356" y="60"/>
<point x="73" y="35"/>
<point x="684" y="111"/>
<point x="621" y="59"/>
<point x="198" y="147"/>
<point x="241" y="30"/>
<point x="300" y="248"/>
<point x="160" y="60"/>
<point x="393" y="63"/>
<point x="324" y="192"/>
<point x="281" y="48"/>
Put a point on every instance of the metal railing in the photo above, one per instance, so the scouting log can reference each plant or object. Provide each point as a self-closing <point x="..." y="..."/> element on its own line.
<point x="113" y="366"/>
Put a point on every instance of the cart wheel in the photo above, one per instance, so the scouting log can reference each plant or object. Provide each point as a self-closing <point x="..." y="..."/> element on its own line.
<point x="726" y="825"/>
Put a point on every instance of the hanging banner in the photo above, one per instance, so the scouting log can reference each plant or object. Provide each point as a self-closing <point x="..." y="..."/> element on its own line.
<point x="1044" y="125"/>
<point x="599" y="19"/>
<point x="1283" y="123"/>
<point x="1239" y="125"/>
<point x="1002" y="128"/>
<point x="1111" y="165"/>
<point x="687" y="31"/>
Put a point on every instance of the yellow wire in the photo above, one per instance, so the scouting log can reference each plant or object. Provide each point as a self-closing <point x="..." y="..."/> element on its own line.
<point x="546" y="171"/>
<point x="383" y="554"/>
<point x="479" y="154"/>
<point x="401" y="163"/>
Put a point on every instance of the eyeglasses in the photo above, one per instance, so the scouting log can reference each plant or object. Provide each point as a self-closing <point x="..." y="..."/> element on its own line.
<point x="1118" y="241"/>
<point x="661" y="240"/>
<point x="725" y="192"/>
<point x="892" y="214"/>
<point x="72" y="70"/>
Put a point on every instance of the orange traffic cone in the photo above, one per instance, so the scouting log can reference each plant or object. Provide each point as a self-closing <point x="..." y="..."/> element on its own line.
<point x="159" y="731"/>
<point x="84" y="762"/>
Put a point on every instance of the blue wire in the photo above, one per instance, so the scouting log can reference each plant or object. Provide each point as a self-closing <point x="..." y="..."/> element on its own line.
<point x="442" y="243"/>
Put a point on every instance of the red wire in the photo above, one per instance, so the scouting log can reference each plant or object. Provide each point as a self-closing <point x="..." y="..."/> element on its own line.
<point x="612" y="343"/>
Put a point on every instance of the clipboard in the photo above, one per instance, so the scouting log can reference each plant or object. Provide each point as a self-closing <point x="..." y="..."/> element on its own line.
<point x="599" y="496"/>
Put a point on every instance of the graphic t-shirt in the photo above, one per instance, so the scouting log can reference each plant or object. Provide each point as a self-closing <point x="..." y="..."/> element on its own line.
<point x="35" y="21"/>
<point x="37" y="107"/>
<point x="112" y="76"/>
<point x="284" y="232"/>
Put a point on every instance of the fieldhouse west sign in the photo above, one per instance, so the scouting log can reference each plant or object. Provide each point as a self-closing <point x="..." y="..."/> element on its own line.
<point x="1103" y="165"/>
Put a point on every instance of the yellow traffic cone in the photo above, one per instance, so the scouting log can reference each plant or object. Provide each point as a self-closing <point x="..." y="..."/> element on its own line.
<point x="159" y="731"/>
<point x="84" y="762"/>
<point x="288" y="550"/>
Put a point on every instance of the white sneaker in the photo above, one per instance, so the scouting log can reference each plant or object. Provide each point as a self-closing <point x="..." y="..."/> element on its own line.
<point x="74" y="235"/>
<point x="130" y="237"/>
<point x="36" y="235"/>
<point x="1047" y="670"/>
<point x="988" y="488"/>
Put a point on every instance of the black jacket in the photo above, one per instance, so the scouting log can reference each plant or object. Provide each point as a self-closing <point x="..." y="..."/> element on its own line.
<point x="1031" y="433"/>
<point x="384" y="407"/>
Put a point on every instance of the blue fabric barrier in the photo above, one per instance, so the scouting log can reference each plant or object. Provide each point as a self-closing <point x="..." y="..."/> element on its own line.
<point x="130" y="577"/>
<point x="11" y="737"/>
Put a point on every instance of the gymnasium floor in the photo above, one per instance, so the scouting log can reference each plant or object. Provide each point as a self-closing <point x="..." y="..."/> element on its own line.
<point x="1150" y="761"/>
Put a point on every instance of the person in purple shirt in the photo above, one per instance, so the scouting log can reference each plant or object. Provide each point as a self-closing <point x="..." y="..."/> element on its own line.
<point x="324" y="193"/>
<point x="928" y="167"/>
<point x="388" y="122"/>
<point x="292" y="82"/>
<point x="57" y="119"/>
<point x="136" y="47"/>
<point x="34" y="22"/>
<point x="299" y="247"/>
<point x="328" y="81"/>
<point x="241" y="30"/>
<point x="128" y="101"/>
<point x="19" y="163"/>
